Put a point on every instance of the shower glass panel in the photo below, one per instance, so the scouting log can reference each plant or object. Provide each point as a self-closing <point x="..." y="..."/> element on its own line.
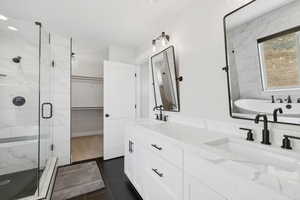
<point x="23" y="143"/>
<point x="46" y="107"/>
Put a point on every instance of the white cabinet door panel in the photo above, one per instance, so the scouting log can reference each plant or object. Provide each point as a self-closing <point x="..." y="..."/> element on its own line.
<point x="133" y="161"/>
<point x="195" y="190"/>
<point x="167" y="174"/>
<point x="155" y="190"/>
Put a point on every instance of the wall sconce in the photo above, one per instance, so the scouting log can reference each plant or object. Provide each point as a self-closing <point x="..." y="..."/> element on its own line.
<point x="163" y="38"/>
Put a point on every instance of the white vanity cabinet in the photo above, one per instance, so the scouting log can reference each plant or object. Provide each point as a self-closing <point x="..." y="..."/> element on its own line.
<point x="149" y="165"/>
<point x="164" y="165"/>
<point x="155" y="166"/>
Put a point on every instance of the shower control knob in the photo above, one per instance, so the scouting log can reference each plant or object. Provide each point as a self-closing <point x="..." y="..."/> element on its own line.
<point x="106" y="115"/>
<point x="19" y="101"/>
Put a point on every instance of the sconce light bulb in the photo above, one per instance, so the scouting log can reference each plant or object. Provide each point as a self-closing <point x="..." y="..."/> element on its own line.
<point x="163" y="42"/>
<point x="153" y="45"/>
<point x="154" y="48"/>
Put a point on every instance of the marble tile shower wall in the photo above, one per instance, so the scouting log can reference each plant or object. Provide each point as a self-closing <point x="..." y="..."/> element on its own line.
<point x="21" y="80"/>
<point x="244" y="42"/>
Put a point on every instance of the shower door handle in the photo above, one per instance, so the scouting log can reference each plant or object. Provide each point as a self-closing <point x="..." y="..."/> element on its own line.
<point x="51" y="110"/>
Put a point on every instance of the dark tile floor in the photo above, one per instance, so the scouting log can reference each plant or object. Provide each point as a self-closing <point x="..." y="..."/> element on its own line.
<point x="18" y="185"/>
<point x="117" y="185"/>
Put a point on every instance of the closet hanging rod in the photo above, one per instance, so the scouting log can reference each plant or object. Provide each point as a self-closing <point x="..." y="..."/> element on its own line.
<point x="87" y="78"/>
<point x="87" y="108"/>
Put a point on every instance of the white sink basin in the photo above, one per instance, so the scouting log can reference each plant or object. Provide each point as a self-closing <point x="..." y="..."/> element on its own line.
<point x="256" y="154"/>
<point x="265" y="106"/>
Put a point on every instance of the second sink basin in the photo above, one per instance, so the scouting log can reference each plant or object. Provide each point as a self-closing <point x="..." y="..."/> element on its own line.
<point x="255" y="154"/>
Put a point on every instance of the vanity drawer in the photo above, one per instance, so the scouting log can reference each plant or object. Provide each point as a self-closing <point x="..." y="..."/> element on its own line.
<point x="162" y="147"/>
<point x="167" y="175"/>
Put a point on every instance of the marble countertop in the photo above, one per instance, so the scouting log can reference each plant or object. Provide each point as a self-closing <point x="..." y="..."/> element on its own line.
<point x="267" y="166"/>
<point x="181" y="134"/>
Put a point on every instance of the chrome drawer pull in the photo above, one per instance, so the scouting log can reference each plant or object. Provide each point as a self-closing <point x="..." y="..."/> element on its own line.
<point x="158" y="173"/>
<point x="156" y="147"/>
<point x="130" y="146"/>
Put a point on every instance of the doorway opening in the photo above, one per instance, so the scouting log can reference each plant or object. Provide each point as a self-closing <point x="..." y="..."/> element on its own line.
<point x="87" y="104"/>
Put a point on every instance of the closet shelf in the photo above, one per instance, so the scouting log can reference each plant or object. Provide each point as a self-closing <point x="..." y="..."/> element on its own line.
<point x="87" y="78"/>
<point x="87" y="108"/>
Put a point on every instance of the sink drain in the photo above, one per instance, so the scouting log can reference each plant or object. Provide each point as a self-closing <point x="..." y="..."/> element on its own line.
<point x="5" y="182"/>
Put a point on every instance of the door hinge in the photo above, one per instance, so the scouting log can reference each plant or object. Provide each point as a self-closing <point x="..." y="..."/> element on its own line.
<point x="135" y="106"/>
<point x="52" y="147"/>
<point x="49" y="38"/>
<point x="135" y="75"/>
<point x="52" y="63"/>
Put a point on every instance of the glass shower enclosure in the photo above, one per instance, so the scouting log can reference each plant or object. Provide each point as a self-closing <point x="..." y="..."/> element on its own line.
<point x="26" y="111"/>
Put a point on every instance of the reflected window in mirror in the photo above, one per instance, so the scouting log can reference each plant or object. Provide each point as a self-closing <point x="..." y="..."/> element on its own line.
<point x="165" y="80"/>
<point x="263" y="60"/>
<point x="279" y="60"/>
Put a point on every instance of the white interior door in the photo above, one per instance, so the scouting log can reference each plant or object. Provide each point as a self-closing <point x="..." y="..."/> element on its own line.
<point x="119" y="106"/>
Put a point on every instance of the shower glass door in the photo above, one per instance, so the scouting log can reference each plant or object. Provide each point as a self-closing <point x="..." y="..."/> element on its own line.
<point x="25" y="84"/>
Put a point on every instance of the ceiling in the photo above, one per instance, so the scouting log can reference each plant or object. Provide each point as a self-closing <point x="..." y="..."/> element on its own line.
<point x="96" y="24"/>
<point x="254" y="10"/>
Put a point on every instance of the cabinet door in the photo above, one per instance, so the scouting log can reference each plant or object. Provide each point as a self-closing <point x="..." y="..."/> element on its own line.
<point x="133" y="163"/>
<point x="154" y="189"/>
<point x="194" y="189"/>
<point x="129" y="162"/>
<point x="139" y="166"/>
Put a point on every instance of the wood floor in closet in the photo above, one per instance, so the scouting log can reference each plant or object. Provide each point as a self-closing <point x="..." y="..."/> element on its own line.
<point x="87" y="147"/>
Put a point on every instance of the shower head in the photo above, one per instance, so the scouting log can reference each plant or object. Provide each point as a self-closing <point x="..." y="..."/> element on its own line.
<point x="17" y="59"/>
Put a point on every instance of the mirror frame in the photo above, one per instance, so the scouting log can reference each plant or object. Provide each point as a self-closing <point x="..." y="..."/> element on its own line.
<point x="176" y="77"/>
<point x="226" y="68"/>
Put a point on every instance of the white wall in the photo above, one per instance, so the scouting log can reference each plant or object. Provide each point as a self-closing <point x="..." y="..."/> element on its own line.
<point x="88" y="62"/>
<point x="121" y="54"/>
<point x="197" y="35"/>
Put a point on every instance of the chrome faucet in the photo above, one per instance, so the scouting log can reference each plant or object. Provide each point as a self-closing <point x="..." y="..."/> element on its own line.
<point x="160" y="116"/>
<point x="265" y="131"/>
